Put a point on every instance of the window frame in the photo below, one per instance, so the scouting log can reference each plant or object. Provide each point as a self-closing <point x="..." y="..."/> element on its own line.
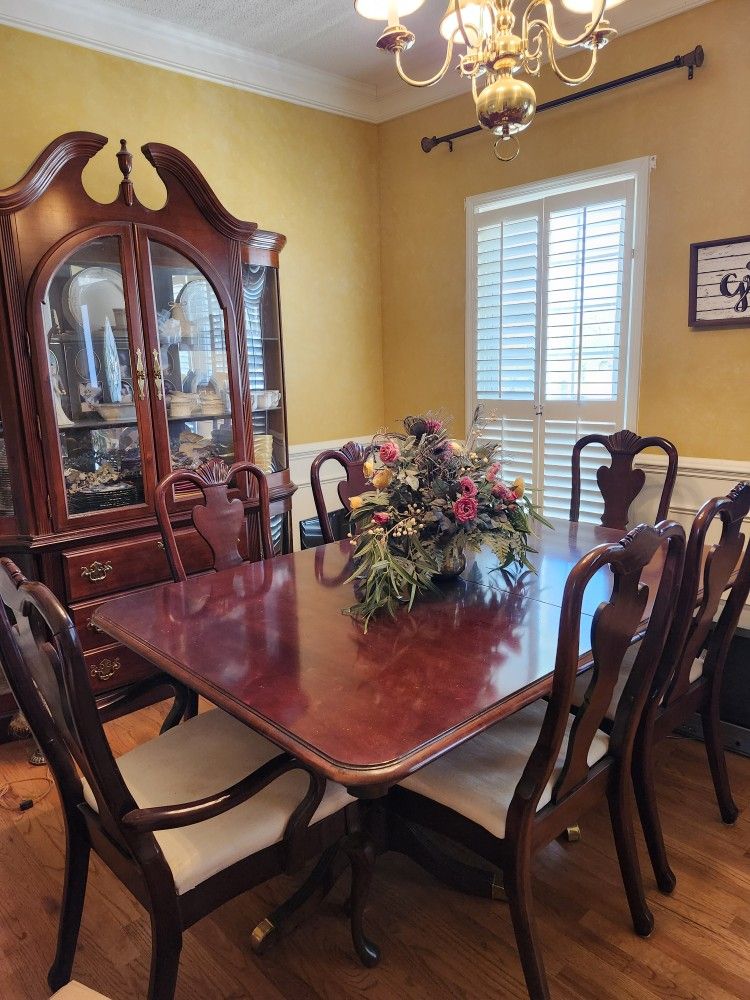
<point x="477" y="208"/>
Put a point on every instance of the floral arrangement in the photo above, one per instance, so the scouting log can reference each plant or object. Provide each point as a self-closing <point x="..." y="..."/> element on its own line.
<point x="431" y="499"/>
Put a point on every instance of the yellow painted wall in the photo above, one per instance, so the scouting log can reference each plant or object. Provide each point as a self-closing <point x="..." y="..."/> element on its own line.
<point x="305" y="173"/>
<point x="695" y="386"/>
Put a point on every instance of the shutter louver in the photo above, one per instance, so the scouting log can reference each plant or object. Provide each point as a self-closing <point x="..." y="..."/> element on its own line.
<point x="506" y="324"/>
<point x="585" y="256"/>
<point x="516" y="441"/>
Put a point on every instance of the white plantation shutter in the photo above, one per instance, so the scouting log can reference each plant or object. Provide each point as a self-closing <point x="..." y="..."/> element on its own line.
<point x="550" y="332"/>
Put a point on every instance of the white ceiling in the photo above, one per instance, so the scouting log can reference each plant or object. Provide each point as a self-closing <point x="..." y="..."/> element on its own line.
<point x="319" y="53"/>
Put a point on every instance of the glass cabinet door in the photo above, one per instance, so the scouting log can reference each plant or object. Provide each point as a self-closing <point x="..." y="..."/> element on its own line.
<point x="192" y="359"/>
<point x="97" y="377"/>
<point x="265" y="365"/>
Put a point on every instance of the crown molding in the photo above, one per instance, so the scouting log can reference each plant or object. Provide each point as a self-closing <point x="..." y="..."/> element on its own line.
<point x="157" y="42"/>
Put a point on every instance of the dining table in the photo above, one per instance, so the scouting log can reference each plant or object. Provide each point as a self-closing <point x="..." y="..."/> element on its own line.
<point x="269" y="643"/>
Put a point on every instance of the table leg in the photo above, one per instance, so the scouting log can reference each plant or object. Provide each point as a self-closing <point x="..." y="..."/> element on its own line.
<point x="311" y="893"/>
<point x="409" y="839"/>
<point x="360" y="849"/>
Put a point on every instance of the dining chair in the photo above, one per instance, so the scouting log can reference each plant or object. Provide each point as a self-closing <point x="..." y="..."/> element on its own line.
<point x="221" y="520"/>
<point x="619" y="482"/>
<point x="186" y="821"/>
<point x="516" y="787"/>
<point x="690" y="674"/>
<point x="334" y="525"/>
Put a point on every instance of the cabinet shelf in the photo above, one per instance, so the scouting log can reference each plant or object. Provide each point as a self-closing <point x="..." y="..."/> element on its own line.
<point x="191" y="418"/>
<point x="98" y="425"/>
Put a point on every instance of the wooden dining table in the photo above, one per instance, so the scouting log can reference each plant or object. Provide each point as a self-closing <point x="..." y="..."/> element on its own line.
<point x="268" y="642"/>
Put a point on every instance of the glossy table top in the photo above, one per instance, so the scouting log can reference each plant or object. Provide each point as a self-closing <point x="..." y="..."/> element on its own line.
<point x="268" y="643"/>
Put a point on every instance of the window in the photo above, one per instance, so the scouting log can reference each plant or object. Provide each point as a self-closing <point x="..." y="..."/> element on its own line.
<point x="554" y="281"/>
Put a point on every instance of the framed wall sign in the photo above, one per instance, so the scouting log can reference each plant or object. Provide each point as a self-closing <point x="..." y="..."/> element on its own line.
<point x="720" y="283"/>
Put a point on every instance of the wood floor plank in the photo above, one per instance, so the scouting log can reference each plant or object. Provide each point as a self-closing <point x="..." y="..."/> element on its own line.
<point x="436" y="944"/>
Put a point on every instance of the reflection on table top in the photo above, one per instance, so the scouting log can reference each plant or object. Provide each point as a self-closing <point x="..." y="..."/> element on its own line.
<point x="268" y="643"/>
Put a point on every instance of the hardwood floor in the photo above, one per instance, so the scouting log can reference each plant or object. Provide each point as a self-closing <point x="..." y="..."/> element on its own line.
<point x="435" y="942"/>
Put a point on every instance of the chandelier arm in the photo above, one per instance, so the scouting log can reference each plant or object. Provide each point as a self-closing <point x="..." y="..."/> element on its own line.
<point x="550" y="27"/>
<point x="433" y="79"/>
<point x="572" y="81"/>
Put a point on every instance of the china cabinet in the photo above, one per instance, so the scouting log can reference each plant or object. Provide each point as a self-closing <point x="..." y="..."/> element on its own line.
<point x="132" y="342"/>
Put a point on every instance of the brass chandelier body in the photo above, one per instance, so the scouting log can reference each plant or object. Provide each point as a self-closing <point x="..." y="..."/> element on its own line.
<point x="495" y="53"/>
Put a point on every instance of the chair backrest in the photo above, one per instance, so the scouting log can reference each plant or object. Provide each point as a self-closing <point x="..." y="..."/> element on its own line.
<point x="351" y="457"/>
<point x="614" y="625"/>
<point x="45" y="667"/>
<point x="708" y="572"/>
<point x="219" y="520"/>
<point x="619" y="482"/>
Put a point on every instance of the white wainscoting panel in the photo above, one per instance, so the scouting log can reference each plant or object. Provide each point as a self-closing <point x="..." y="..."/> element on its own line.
<point x="698" y="480"/>
<point x="301" y="457"/>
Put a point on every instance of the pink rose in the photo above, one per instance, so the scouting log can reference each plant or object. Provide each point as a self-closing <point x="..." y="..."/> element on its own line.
<point x="501" y="491"/>
<point x="465" y="509"/>
<point x="434" y="426"/>
<point x="468" y="486"/>
<point x="389" y="452"/>
<point x="381" y="518"/>
<point x="492" y="472"/>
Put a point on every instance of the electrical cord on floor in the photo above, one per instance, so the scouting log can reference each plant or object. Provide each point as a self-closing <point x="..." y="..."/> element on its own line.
<point x="28" y="802"/>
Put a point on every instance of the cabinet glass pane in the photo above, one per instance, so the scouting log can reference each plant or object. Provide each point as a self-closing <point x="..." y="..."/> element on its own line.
<point x="6" y="494"/>
<point x="263" y="330"/>
<point x="194" y="362"/>
<point x="92" y="379"/>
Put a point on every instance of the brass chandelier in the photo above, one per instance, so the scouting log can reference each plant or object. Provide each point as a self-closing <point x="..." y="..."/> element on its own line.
<point x="495" y="54"/>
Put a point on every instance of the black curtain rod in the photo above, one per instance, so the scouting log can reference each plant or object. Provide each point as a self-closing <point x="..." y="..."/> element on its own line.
<point x="689" y="61"/>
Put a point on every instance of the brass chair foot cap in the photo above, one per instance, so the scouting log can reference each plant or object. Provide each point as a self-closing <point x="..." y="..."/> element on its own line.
<point x="574" y="834"/>
<point x="260" y="933"/>
<point x="498" y="890"/>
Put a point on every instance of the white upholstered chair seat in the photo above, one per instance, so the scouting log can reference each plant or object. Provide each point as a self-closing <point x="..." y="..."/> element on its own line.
<point x="76" y="991"/>
<point x="583" y="680"/>
<point x="202" y="756"/>
<point x="478" y="778"/>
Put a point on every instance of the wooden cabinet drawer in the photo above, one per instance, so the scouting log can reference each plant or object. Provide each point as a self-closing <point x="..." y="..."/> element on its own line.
<point x="137" y="562"/>
<point x="115" y="666"/>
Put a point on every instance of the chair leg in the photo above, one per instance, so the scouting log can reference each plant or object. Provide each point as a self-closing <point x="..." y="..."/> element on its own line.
<point x="517" y="883"/>
<point x="166" y="945"/>
<point x="184" y="706"/>
<point x="717" y="762"/>
<point x="77" y="851"/>
<point x="361" y="853"/>
<point x="648" y="809"/>
<point x="623" y="828"/>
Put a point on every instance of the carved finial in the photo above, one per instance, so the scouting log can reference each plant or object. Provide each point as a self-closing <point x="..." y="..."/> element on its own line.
<point x="125" y="163"/>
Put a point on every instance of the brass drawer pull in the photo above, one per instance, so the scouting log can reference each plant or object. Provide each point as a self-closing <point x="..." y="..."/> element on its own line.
<point x="106" y="669"/>
<point x="97" y="571"/>
<point x="90" y="624"/>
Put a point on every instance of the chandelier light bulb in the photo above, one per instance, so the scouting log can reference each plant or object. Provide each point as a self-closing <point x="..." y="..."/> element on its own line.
<point x="386" y="10"/>
<point x="587" y="6"/>
<point x="476" y="18"/>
